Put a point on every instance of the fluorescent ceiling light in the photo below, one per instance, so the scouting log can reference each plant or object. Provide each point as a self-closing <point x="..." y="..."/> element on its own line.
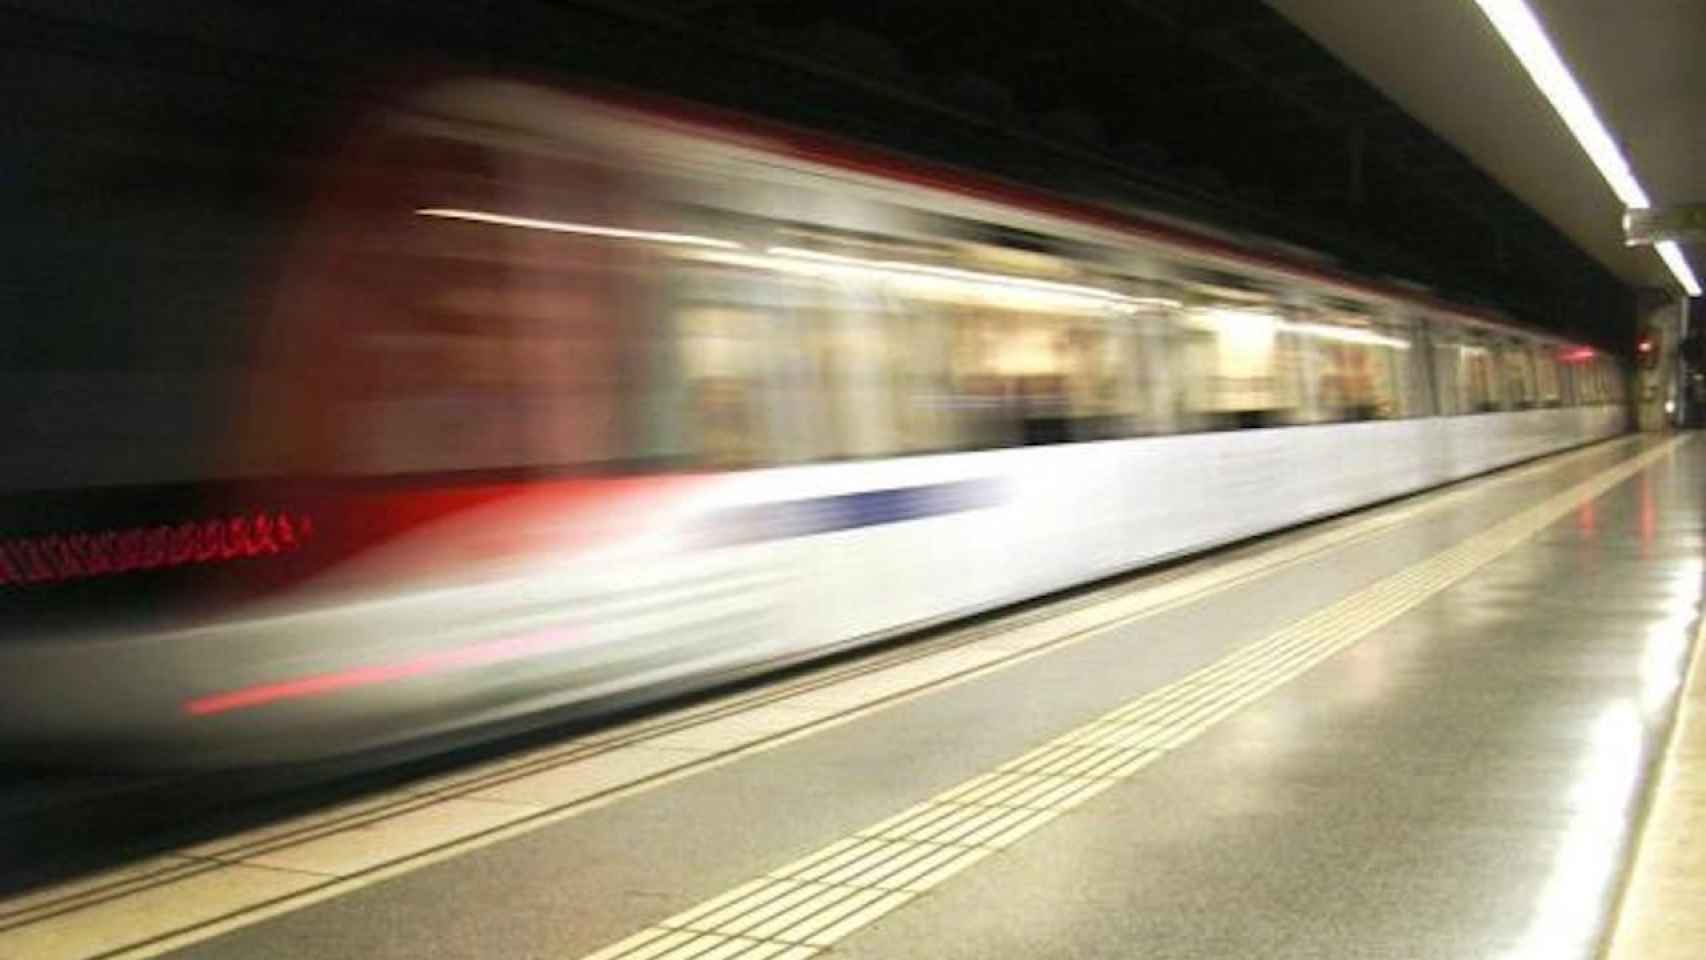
<point x="1678" y="265"/>
<point x="1523" y="33"/>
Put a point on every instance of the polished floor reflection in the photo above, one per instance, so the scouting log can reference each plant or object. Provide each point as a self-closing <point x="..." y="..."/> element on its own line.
<point x="1426" y="731"/>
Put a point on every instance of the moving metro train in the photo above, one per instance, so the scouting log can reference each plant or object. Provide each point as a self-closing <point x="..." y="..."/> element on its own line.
<point x="543" y="399"/>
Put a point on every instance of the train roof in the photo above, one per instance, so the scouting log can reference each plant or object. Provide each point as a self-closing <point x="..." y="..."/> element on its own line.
<point x="844" y="156"/>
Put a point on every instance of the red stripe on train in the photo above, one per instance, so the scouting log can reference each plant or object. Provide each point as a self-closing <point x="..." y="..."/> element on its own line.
<point x="443" y="661"/>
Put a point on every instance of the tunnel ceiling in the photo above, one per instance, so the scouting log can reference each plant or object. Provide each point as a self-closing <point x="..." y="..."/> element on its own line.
<point x="1215" y="109"/>
<point x="1640" y="69"/>
<point x="1223" y="98"/>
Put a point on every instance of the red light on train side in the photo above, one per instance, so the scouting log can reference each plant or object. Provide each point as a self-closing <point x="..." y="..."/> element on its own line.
<point x="55" y="558"/>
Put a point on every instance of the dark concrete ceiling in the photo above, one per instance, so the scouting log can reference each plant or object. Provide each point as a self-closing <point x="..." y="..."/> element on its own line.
<point x="1225" y="97"/>
<point x="1223" y="110"/>
<point x="1639" y="61"/>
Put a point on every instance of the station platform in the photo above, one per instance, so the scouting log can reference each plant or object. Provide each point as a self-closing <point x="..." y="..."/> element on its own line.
<point x="1432" y="729"/>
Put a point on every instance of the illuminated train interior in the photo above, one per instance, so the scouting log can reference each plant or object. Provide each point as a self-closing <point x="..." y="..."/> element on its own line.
<point x="541" y="399"/>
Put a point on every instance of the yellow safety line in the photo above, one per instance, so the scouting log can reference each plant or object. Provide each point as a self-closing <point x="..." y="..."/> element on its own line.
<point x="800" y="909"/>
<point x="1071" y="622"/>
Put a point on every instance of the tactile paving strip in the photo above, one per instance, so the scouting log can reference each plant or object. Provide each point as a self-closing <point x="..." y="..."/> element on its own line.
<point x="147" y="909"/>
<point x="805" y="907"/>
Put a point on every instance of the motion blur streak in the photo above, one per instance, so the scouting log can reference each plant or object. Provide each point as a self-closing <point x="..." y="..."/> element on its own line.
<point x="591" y="230"/>
<point x="698" y="398"/>
<point x="460" y="658"/>
<point x="1345" y="336"/>
<point x="1527" y="39"/>
<point x="1091" y="295"/>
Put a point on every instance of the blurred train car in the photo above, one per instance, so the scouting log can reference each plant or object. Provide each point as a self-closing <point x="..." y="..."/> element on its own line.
<point x="529" y="400"/>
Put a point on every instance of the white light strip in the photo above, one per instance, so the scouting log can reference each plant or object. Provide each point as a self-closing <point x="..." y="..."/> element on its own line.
<point x="587" y="229"/>
<point x="1526" y="38"/>
<point x="970" y="276"/>
<point x="1678" y="264"/>
<point x="1254" y="318"/>
<point x="1345" y="334"/>
<point x="817" y="263"/>
<point x="1320" y="331"/>
<point x="868" y="270"/>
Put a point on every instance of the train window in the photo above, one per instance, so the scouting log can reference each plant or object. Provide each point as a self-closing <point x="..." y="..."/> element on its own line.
<point x="1030" y="360"/>
<point x="1609" y="381"/>
<point x="1357" y="368"/>
<point x="1478" y="387"/>
<point x="1420" y="395"/>
<point x="1589" y="387"/>
<point x="721" y="346"/>
<point x="1153" y="330"/>
<point x="1581" y="381"/>
<point x="925" y="405"/>
<point x="809" y="354"/>
<point x="1549" y="388"/>
<point x="834" y="346"/>
<point x="801" y="354"/>
<point x="857" y="367"/>
<point x="1583" y="370"/>
<point x="1103" y="376"/>
<point x="1235" y="363"/>
<point x="1450" y="395"/>
<point x="990" y="354"/>
<point x="1516" y="363"/>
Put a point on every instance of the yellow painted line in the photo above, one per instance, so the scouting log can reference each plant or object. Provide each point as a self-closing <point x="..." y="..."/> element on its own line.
<point x="1660" y="916"/>
<point x="809" y="905"/>
<point x="102" y="902"/>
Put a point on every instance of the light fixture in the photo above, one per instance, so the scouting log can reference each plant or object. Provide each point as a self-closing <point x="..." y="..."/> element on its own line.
<point x="1523" y="33"/>
<point x="1678" y="264"/>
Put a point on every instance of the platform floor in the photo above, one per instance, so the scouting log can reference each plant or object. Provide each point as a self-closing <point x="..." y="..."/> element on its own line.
<point x="1423" y="731"/>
